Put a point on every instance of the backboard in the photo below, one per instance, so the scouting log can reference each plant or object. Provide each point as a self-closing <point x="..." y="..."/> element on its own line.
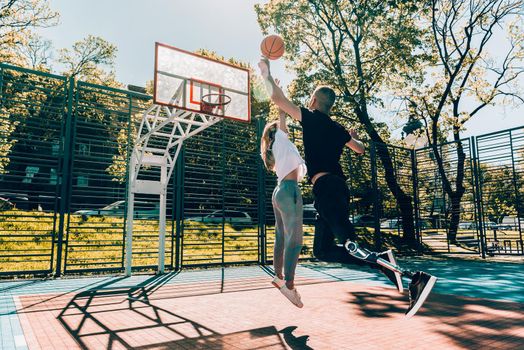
<point x="182" y="78"/>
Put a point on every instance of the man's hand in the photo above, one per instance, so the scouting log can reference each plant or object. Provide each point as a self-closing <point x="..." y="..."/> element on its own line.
<point x="355" y="144"/>
<point x="264" y="67"/>
<point x="276" y="93"/>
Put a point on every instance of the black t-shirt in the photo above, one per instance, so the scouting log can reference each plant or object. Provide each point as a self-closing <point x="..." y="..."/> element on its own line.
<point x="324" y="141"/>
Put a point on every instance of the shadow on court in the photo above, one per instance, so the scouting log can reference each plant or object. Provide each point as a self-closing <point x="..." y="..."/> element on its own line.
<point x="476" y="279"/>
<point x="126" y="318"/>
<point x="146" y="312"/>
<point x="467" y="322"/>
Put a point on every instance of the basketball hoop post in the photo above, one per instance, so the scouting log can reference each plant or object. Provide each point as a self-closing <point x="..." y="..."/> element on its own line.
<point x="170" y="127"/>
<point x="191" y="93"/>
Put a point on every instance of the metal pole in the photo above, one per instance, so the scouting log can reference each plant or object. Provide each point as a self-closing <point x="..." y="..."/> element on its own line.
<point x="261" y="196"/>
<point x="179" y="206"/>
<point x="172" y="213"/>
<point x="477" y="220"/>
<point x="65" y="177"/>
<point x="1" y="83"/>
<point x="162" y="220"/>
<point x="478" y="196"/>
<point x="515" y="184"/>
<point x="376" y="195"/>
<point x="129" y="149"/>
<point x="130" y="217"/>
<point x="414" y="173"/>
<point x="350" y="187"/>
<point x="444" y="196"/>
<point x="223" y="153"/>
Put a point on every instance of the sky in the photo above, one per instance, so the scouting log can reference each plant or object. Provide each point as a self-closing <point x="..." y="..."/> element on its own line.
<point x="228" y="27"/>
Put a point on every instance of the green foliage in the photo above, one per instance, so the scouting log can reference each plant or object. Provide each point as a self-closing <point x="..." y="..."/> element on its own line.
<point x="364" y="50"/>
<point x="464" y="77"/>
<point x="87" y="59"/>
<point x="361" y="48"/>
<point x="32" y="106"/>
<point x="498" y="190"/>
<point x="17" y="19"/>
<point x="36" y="52"/>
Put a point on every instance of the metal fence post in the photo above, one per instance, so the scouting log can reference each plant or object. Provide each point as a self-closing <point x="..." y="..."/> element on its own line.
<point x="261" y="177"/>
<point x="65" y="177"/>
<point x="223" y="182"/>
<point x="376" y="196"/>
<point x="478" y="197"/>
<point x="179" y="207"/>
<point x="129" y="151"/>
<point x="1" y="83"/>
<point x="414" y="172"/>
<point x="515" y="185"/>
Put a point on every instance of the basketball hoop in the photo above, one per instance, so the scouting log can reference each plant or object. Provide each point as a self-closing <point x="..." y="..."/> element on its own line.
<point x="213" y="103"/>
<point x="188" y="98"/>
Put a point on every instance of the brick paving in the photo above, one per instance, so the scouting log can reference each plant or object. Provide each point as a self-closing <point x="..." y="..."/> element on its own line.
<point x="236" y="308"/>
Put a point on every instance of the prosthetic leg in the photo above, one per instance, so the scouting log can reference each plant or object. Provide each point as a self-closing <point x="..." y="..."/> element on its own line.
<point x="421" y="282"/>
<point x="372" y="257"/>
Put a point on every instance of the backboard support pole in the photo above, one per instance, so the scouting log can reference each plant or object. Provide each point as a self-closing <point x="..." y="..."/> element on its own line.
<point x="168" y="127"/>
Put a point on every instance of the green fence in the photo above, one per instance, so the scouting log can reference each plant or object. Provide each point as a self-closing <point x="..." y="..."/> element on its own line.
<point x="64" y="151"/>
<point x="500" y="169"/>
<point x="33" y="128"/>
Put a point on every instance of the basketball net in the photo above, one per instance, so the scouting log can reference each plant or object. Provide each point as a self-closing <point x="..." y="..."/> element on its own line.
<point x="158" y="143"/>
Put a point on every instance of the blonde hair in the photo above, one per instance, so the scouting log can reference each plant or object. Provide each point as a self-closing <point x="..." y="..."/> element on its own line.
<point x="268" y="137"/>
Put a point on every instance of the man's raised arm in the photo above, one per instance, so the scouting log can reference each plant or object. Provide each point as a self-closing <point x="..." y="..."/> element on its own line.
<point x="276" y="93"/>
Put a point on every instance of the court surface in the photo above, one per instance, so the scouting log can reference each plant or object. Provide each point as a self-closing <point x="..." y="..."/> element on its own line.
<point x="475" y="305"/>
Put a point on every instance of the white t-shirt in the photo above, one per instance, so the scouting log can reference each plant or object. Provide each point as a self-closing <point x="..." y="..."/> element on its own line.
<point x="287" y="157"/>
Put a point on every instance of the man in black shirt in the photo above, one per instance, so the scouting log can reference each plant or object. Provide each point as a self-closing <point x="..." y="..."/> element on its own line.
<point x="324" y="140"/>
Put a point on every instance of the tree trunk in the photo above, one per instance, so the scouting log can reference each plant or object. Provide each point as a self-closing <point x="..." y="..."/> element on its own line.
<point x="406" y="212"/>
<point x="456" y="198"/>
<point x="454" y="195"/>
<point x="404" y="201"/>
<point x="360" y="108"/>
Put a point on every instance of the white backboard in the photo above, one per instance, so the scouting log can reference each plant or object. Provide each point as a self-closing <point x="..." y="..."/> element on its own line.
<point x="182" y="78"/>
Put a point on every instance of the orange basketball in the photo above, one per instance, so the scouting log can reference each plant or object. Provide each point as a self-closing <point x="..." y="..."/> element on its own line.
<point x="272" y="47"/>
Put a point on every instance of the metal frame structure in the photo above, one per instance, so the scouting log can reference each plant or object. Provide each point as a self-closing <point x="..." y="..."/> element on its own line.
<point x="171" y="126"/>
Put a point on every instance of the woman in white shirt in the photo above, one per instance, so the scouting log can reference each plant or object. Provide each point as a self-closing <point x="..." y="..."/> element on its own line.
<point x="281" y="156"/>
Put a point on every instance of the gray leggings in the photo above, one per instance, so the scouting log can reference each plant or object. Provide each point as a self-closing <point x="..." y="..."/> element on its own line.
<point x="287" y="205"/>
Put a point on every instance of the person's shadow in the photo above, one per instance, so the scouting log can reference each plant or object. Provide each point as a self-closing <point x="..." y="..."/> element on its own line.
<point x="295" y="343"/>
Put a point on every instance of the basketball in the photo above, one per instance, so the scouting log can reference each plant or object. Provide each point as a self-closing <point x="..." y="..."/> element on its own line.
<point x="272" y="47"/>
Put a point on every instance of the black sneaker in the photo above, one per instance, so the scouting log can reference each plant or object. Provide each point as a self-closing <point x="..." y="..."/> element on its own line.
<point x="419" y="288"/>
<point x="393" y="276"/>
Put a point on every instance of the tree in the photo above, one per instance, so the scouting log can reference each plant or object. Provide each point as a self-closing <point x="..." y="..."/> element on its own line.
<point x="37" y="52"/>
<point x="499" y="194"/>
<point x="362" y="49"/>
<point x="465" y="78"/>
<point x="88" y="59"/>
<point x="17" y="18"/>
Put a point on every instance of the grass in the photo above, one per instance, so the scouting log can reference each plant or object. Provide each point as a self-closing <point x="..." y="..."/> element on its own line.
<point x="26" y="242"/>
